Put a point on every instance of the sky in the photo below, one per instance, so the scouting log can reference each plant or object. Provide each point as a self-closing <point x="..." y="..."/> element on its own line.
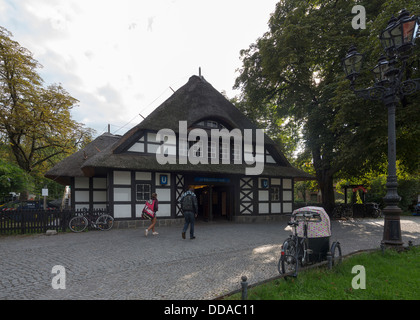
<point x="123" y="58"/>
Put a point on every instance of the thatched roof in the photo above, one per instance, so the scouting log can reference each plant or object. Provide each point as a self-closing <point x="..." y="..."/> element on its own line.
<point x="72" y="165"/>
<point x="195" y="101"/>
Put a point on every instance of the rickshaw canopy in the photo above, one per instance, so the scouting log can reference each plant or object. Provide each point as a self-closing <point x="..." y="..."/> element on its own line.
<point x="317" y="228"/>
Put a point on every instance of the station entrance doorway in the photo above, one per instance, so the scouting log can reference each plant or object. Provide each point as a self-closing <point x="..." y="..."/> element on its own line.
<point x="215" y="203"/>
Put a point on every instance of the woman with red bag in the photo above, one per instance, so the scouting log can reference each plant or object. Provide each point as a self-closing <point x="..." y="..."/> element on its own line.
<point x="153" y="205"/>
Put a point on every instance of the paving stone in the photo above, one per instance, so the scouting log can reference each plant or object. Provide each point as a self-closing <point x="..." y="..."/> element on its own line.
<point x="124" y="264"/>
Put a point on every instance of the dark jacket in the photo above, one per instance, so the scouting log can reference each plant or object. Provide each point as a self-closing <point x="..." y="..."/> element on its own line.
<point x="194" y="200"/>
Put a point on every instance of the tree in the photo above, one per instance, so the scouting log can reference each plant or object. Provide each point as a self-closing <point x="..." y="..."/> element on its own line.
<point x="13" y="179"/>
<point x="35" y="121"/>
<point x="296" y="67"/>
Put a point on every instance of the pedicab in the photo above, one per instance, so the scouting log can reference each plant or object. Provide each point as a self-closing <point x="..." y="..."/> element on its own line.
<point x="310" y="241"/>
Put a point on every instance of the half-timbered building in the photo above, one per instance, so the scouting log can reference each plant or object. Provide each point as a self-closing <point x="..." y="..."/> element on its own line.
<point x="195" y="138"/>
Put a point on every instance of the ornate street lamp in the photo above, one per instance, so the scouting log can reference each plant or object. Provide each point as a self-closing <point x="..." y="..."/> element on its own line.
<point x="400" y="34"/>
<point x="397" y="39"/>
<point x="381" y="71"/>
<point x="352" y="64"/>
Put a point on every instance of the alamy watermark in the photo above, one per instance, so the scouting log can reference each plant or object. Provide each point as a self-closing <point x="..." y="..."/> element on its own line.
<point x="359" y="21"/>
<point x="196" y="147"/>
<point x="359" y="281"/>
<point x="59" y="280"/>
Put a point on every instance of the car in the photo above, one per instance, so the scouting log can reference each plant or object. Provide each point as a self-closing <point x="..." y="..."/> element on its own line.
<point x="25" y="205"/>
<point x="417" y="208"/>
<point x="29" y="210"/>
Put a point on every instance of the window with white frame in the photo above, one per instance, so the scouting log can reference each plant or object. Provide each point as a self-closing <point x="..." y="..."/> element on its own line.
<point x="143" y="192"/>
<point x="183" y="147"/>
<point x="275" y="193"/>
<point x="197" y="149"/>
<point x="212" y="150"/>
<point x="225" y="151"/>
<point x="237" y="152"/>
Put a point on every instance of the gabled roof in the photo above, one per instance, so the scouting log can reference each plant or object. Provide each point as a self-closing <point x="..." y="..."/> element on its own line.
<point x="193" y="102"/>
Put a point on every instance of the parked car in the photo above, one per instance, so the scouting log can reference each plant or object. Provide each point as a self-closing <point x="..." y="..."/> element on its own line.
<point x="31" y="211"/>
<point x="25" y="205"/>
<point x="417" y="208"/>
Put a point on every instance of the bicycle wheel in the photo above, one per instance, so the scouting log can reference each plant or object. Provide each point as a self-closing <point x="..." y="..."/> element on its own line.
<point x="377" y="213"/>
<point x="288" y="262"/>
<point x="336" y="253"/>
<point x="78" y="224"/>
<point x="105" y="222"/>
<point x="336" y="214"/>
<point x="304" y="254"/>
<point x="348" y="212"/>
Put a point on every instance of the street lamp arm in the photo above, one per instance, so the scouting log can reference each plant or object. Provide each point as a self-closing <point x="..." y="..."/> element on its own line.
<point x="372" y="93"/>
<point x="409" y="87"/>
<point x="380" y="92"/>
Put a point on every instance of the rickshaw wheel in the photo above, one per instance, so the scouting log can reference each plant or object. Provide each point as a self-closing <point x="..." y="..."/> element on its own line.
<point x="336" y="253"/>
<point x="287" y="262"/>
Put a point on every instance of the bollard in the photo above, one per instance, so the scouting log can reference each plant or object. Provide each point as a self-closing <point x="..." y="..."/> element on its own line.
<point x="244" y="285"/>
<point x="329" y="259"/>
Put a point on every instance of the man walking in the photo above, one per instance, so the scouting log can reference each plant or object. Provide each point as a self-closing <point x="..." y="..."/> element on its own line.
<point x="189" y="209"/>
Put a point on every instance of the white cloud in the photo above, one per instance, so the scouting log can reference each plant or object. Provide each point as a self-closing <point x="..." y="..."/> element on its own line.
<point x="119" y="57"/>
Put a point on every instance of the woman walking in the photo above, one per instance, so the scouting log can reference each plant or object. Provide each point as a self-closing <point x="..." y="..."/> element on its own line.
<point x="153" y="204"/>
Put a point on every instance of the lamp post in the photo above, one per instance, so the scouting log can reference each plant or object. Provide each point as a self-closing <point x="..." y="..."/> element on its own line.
<point x="397" y="39"/>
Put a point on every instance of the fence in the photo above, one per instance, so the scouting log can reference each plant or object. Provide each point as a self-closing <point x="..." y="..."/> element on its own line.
<point x="39" y="221"/>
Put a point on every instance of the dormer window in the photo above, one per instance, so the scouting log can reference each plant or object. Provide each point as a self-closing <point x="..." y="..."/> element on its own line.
<point x="212" y="124"/>
<point x="209" y="124"/>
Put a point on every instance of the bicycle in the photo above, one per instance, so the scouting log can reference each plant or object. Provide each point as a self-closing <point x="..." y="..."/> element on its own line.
<point x="373" y="210"/>
<point x="295" y="250"/>
<point x="342" y="211"/>
<point x="80" y="223"/>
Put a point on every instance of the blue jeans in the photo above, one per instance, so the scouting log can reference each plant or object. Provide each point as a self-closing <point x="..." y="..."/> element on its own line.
<point x="189" y="219"/>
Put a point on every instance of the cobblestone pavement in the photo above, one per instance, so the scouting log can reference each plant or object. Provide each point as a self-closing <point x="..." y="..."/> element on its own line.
<point x="124" y="264"/>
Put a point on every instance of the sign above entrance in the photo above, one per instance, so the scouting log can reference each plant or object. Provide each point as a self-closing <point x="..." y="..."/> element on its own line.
<point x="205" y="179"/>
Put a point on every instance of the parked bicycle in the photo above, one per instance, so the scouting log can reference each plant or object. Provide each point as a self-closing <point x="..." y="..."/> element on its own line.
<point x="342" y="210"/>
<point x="310" y="241"/>
<point x="80" y="223"/>
<point x="372" y="209"/>
<point x="347" y="211"/>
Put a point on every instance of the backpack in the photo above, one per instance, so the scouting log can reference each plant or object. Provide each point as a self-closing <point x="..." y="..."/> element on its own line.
<point x="148" y="212"/>
<point x="187" y="203"/>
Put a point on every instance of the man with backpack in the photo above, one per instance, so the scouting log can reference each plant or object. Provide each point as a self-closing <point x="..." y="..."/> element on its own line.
<point x="190" y="209"/>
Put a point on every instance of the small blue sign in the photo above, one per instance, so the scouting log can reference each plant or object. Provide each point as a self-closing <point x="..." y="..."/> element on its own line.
<point x="264" y="183"/>
<point x="205" y="179"/>
<point x="163" y="179"/>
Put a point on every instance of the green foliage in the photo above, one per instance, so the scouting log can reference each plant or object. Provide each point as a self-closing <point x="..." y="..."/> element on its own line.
<point x="36" y="128"/>
<point x="377" y="189"/>
<point x="35" y="121"/>
<point x="408" y="190"/>
<point x="293" y="73"/>
<point x="408" y="187"/>
<point x="13" y="179"/>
